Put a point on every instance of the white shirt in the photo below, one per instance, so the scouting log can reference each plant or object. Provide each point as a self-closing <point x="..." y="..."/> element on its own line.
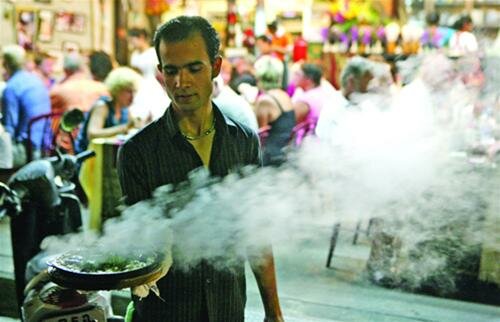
<point x="150" y="101"/>
<point x="236" y="107"/>
<point x="463" y="42"/>
<point x="145" y="61"/>
<point x="331" y="115"/>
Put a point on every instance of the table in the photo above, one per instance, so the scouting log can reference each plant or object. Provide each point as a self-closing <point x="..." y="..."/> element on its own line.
<point x="99" y="179"/>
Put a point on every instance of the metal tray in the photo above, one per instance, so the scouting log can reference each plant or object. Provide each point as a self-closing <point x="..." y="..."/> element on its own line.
<point x="71" y="278"/>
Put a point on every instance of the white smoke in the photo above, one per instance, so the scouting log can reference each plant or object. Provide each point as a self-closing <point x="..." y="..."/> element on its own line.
<point x="406" y="165"/>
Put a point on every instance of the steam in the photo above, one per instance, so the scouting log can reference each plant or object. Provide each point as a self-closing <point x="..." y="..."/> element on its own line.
<point x="406" y="164"/>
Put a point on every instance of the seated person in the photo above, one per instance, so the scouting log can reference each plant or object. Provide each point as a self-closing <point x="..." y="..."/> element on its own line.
<point x="109" y="116"/>
<point x="311" y="92"/>
<point x="355" y="78"/>
<point x="24" y="98"/>
<point x="79" y="90"/>
<point x="463" y="41"/>
<point x="274" y="109"/>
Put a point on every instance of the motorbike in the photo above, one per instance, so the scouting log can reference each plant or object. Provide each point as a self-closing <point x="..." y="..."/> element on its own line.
<point x="40" y="201"/>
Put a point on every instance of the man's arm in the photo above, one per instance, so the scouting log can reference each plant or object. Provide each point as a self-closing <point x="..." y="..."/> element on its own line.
<point x="301" y="110"/>
<point x="132" y="178"/>
<point x="10" y="111"/>
<point x="263" y="268"/>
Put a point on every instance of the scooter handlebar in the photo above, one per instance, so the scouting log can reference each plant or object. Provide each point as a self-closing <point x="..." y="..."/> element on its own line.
<point x="82" y="156"/>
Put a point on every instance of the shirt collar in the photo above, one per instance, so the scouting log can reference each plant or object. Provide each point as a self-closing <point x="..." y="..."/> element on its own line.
<point x="222" y="122"/>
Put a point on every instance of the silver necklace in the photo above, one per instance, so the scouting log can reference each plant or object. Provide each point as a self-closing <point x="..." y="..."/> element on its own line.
<point x="202" y="135"/>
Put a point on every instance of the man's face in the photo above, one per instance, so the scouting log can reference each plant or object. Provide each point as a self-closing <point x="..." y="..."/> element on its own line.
<point x="136" y="41"/>
<point x="263" y="47"/>
<point x="188" y="74"/>
<point x="125" y="97"/>
<point x="298" y="78"/>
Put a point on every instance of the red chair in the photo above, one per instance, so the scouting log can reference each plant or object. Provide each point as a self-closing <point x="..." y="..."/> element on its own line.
<point x="50" y="129"/>
<point x="300" y="131"/>
<point x="263" y="134"/>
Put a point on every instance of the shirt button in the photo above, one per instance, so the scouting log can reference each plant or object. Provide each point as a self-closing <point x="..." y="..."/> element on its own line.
<point x="208" y="281"/>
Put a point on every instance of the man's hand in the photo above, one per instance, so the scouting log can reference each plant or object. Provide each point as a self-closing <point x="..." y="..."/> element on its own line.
<point x="143" y="290"/>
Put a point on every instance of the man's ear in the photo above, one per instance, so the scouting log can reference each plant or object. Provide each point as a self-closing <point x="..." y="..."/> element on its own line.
<point x="159" y="68"/>
<point x="216" y="66"/>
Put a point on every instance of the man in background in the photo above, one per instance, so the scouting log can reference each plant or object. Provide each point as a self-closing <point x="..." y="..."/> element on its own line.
<point x="150" y="100"/>
<point x="24" y="97"/>
<point x="354" y="78"/>
<point x="311" y="93"/>
<point x="78" y="90"/>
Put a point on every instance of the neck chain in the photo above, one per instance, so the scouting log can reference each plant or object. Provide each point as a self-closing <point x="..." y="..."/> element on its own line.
<point x="202" y="135"/>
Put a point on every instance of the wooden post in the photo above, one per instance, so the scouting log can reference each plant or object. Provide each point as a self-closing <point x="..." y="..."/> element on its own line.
<point x="429" y="6"/>
<point x="469" y="5"/>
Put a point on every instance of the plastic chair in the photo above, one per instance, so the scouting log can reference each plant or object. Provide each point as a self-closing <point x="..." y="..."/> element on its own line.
<point x="300" y="131"/>
<point x="263" y="134"/>
<point x="335" y="235"/>
<point x="50" y="130"/>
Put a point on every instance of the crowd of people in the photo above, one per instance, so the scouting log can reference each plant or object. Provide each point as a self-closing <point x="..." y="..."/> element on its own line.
<point x="167" y="90"/>
<point x="265" y="86"/>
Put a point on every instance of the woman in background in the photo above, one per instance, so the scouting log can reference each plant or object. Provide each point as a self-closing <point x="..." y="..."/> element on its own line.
<point x="274" y="110"/>
<point x="109" y="116"/>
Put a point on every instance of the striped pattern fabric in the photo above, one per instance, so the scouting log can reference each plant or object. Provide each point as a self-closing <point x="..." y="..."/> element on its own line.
<point x="158" y="155"/>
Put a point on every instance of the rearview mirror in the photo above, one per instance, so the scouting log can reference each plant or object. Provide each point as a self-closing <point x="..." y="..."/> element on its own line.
<point x="71" y="120"/>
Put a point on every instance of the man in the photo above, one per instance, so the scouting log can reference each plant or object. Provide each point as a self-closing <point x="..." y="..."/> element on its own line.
<point x="78" y="90"/>
<point x="143" y="56"/>
<point x="191" y="131"/>
<point x="24" y="97"/>
<point x="279" y="46"/>
<point x="312" y="92"/>
<point x="72" y="67"/>
<point x="354" y="78"/>
<point x="100" y="65"/>
<point x="263" y="45"/>
<point x="279" y="40"/>
<point x="150" y="100"/>
<point x="463" y="41"/>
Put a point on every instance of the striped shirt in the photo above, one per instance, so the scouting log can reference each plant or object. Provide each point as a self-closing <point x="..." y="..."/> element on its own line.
<point x="159" y="155"/>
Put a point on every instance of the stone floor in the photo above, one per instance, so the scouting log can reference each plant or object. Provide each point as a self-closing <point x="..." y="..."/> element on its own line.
<point x="310" y="292"/>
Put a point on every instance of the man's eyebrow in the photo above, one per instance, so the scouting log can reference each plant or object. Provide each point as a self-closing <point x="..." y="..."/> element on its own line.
<point x="190" y="64"/>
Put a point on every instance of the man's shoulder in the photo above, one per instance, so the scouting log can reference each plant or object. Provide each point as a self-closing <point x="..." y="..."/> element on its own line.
<point x="144" y="138"/>
<point x="25" y="82"/>
<point x="23" y="75"/>
<point x="240" y="129"/>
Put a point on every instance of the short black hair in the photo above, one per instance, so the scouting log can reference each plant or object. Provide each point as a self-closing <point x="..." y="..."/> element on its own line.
<point x="100" y="65"/>
<point x="138" y="32"/>
<point x="432" y="18"/>
<point x="461" y="21"/>
<point x="265" y="38"/>
<point x="273" y="26"/>
<point x="183" y="27"/>
<point x="313" y="72"/>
